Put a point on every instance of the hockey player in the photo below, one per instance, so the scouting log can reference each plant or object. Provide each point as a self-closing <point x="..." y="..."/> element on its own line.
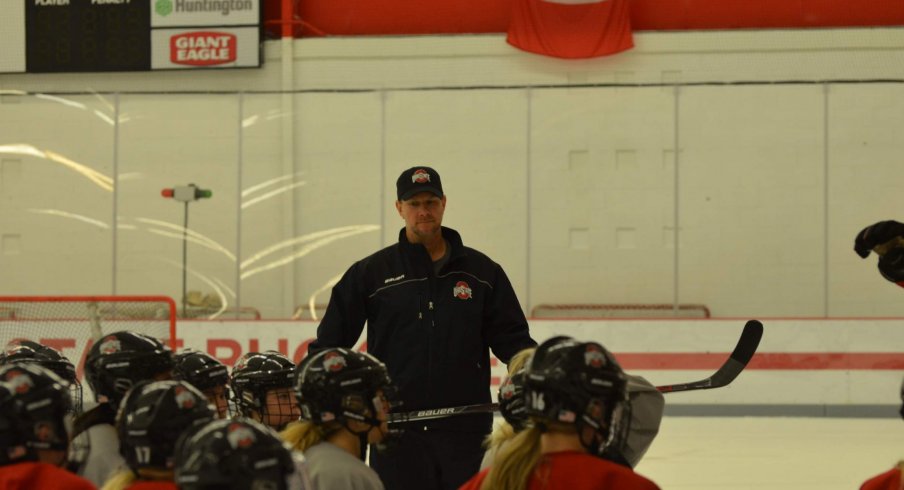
<point x="34" y="403"/>
<point x="207" y="374"/>
<point x="344" y="404"/>
<point x="886" y="239"/>
<point x="576" y="396"/>
<point x="25" y="351"/>
<point x="511" y="406"/>
<point x="153" y="415"/>
<point x="891" y="479"/>
<point x="238" y="454"/>
<point x="262" y="383"/>
<point x="113" y="365"/>
<point x="647" y="408"/>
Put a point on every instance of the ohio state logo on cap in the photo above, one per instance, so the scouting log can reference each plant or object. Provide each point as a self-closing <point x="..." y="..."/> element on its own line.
<point x="594" y="357"/>
<point x="420" y="176"/>
<point x="462" y="290"/>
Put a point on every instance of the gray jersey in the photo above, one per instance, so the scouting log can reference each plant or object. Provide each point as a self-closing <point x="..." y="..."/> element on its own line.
<point x="94" y="454"/>
<point x="331" y="467"/>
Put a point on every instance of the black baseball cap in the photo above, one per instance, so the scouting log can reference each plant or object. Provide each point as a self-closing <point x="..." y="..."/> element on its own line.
<point x="416" y="180"/>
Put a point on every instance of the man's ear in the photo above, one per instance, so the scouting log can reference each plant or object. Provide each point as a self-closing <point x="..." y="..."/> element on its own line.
<point x="398" y="206"/>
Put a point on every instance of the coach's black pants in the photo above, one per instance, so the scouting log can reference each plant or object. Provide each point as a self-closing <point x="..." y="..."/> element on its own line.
<point x="429" y="460"/>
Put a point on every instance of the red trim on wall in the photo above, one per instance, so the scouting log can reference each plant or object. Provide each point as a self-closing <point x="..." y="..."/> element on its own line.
<point x="765" y="361"/>
<point x="400" y="17"/>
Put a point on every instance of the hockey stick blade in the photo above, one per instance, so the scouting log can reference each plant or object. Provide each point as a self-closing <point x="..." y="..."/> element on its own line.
<point x="737" y="361"/>
<point x="439" y="413"/>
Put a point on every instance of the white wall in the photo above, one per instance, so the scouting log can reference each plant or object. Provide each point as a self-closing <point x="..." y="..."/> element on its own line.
<point x="579" y="177"/>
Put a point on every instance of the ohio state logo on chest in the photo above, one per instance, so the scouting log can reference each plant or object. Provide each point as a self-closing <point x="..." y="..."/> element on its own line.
<point x="461" y="290"/>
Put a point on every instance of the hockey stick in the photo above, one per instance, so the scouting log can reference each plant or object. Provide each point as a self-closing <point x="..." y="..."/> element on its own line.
<point x="736" y="362"/>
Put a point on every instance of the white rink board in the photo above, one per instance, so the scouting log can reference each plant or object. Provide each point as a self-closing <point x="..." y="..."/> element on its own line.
<point x="228" y="339"/>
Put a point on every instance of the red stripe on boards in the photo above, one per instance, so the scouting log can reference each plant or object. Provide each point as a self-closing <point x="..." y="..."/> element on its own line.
<point x="765" y="361"/>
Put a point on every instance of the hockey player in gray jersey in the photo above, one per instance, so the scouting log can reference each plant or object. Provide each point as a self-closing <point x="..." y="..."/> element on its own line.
<point x="343" y="396"/>
<point x="114" y="364"/>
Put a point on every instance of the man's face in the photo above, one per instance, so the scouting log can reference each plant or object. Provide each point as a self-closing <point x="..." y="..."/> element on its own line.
<point x="216" y="396"/>
<point x="280" y="408"/>
<point x="423" y="215"/>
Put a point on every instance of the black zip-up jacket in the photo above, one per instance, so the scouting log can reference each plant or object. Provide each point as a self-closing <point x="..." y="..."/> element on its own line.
<point x="432" y="331"/>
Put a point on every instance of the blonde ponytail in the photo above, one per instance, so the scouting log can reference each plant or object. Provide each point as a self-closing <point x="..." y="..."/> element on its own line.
<point x="514" y="464"/>
<point x="301" y="435"/>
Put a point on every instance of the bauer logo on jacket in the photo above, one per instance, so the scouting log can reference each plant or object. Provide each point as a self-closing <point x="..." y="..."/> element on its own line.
<point x="420" y="176"/>
<point x="462" y="290"/>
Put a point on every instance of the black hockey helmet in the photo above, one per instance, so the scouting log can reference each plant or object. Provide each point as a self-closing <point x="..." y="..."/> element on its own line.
<point x="200" y="369"/>
<point x="255" y="373"/>
<point x="33" y="406"/>
<point x="341" y="384"/>
<point x="151" y="418"/>
<point x="579" y="383"/>
<point x="511" y="401"/>
<point x="27" y="351"/>
<point x="119" y="360"/>
<point x="237" y="454"/>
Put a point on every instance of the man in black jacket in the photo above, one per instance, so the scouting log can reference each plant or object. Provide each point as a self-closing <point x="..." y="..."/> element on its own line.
<point x="434" y="308"/>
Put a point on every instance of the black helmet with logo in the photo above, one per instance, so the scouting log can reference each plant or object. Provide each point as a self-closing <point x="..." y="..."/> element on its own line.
<point x="119" y="360"/>
<point x="580" y="383"/>
<point x="33" y="406"/>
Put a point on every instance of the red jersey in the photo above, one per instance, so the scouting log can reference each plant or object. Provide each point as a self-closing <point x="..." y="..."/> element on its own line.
<point x="890" y="480"/>
<point x="574" y="470"/>
<point x="153" y="485"/>
<point x="571" y="28"/>
<point x="33" y="474"/>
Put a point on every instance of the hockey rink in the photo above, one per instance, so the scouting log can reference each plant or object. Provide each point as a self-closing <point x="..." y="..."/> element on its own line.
<point x="775" y="453"/>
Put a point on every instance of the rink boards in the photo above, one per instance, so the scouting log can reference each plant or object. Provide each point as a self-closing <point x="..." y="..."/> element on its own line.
<point x="807" y="367"/>
<point x="811" y="367"/>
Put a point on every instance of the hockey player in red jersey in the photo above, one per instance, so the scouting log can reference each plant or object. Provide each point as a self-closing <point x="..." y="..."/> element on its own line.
<point x="33" y="405"/>
<point x="891" y="479"/>
<point x="576" y="398"/>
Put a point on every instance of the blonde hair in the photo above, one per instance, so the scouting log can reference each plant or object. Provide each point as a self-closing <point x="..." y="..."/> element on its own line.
<point x="120" y="480"/>
<point x="513" y="465"/>
<point x="123" y="479"/>
<point x="303" y="434"/>
<point x="503" y="431"/>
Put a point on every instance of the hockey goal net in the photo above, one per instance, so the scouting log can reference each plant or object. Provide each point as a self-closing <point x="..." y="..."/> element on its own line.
<point x="71" y="324"/>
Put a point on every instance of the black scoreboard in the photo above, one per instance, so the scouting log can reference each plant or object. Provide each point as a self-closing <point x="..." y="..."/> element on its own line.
<point x="54" y="36"/>
<point x="87" y="35"/>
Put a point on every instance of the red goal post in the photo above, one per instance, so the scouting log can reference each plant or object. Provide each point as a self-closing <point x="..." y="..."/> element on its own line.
<point x="72" y="323"/>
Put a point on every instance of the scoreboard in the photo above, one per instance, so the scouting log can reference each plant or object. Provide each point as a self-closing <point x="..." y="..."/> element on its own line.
<point x="44" y="36"/>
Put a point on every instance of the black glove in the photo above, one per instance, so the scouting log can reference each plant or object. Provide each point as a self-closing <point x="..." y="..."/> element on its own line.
<point x="877" y="234"/>
<point x="891" y="265"/>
